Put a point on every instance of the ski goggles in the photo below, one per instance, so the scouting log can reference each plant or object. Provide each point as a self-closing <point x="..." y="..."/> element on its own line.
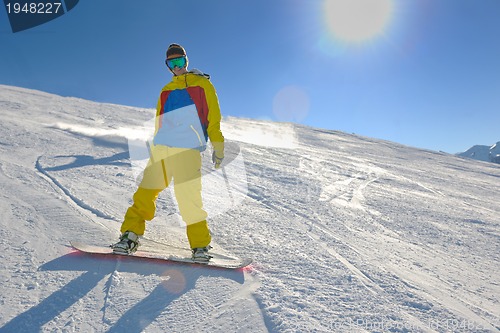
<point x="176" y="62"/>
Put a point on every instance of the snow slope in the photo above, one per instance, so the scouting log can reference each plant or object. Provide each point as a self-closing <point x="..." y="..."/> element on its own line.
<point x="348" y="233"/>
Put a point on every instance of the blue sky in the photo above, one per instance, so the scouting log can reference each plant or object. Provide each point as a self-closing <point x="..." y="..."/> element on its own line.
<point x="428" y="78"/>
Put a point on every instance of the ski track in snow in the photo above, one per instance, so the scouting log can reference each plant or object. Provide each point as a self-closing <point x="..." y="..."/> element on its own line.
<point x="78" y="202"/>
<point x="354" y="199"/>
<point x="348" y="234"/>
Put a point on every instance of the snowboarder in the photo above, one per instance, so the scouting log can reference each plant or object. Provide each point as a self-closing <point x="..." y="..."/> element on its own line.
<point x="187" y="115"/>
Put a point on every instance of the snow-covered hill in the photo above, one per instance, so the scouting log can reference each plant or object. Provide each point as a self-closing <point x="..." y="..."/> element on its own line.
<point x="483" y="153"/>
<point x="348" y="233"/>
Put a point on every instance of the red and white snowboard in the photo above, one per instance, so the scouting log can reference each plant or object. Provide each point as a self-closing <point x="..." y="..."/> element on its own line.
<point x="168" y="253"/>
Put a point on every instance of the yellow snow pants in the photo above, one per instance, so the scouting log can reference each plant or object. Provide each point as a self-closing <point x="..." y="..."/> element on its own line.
<point x="183" y="166"/>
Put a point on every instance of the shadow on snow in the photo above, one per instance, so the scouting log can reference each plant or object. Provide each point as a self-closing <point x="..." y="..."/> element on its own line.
<point x="178" y="280"/>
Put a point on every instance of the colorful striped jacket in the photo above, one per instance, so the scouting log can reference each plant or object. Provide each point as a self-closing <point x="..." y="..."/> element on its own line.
<point x="188" y="113"/>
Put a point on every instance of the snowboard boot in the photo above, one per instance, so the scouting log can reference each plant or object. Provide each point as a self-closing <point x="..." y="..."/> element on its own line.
<point x="128" y="244"/>
<point x="201" y="254"/>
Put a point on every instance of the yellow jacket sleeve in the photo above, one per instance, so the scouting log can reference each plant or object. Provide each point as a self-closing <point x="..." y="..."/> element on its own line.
<point x="214" y="119"/>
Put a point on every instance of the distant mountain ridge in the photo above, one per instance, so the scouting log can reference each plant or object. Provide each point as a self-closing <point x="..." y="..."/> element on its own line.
<point x="483" y="153"/>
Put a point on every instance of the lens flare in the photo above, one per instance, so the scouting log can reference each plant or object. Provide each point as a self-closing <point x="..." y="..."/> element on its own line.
<point x="173" y="281"/>
<point x="356" y="21"/>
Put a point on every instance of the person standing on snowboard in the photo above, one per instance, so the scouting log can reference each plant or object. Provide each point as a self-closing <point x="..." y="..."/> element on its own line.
<point x="187" y="115"/>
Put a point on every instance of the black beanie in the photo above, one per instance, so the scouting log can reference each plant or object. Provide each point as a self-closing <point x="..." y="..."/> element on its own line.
<point x="175" y="50"/>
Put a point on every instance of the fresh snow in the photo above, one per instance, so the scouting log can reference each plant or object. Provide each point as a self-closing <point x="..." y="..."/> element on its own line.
<point x="347" y="233"/>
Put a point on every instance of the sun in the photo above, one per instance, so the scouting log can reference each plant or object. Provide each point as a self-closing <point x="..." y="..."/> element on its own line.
<point x="357" y="21"/>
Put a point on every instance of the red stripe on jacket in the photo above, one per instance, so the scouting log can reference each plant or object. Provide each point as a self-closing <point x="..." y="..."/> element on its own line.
<point x="163" y="97"/>
<point x="197" y="94"/>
